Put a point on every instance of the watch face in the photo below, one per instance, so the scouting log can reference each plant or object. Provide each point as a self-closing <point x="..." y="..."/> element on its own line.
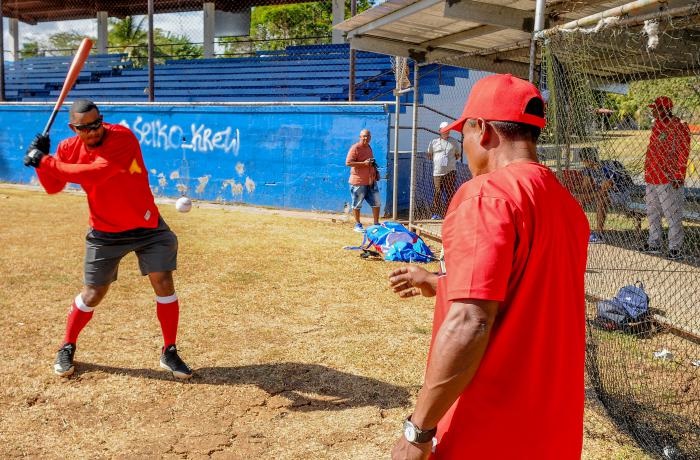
<point x="409" y="432"/>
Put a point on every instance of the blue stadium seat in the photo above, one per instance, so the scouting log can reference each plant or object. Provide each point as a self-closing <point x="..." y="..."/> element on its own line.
<point x="297" y="73"/>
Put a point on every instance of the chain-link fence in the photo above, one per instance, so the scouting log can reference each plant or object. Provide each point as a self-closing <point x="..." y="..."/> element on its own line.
<point x="439" y="166"/>
<point x="634" y="167"/>
<point x="623" y="126"/>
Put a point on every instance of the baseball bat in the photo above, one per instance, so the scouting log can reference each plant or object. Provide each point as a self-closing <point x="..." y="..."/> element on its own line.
<point x="72" y="75"/>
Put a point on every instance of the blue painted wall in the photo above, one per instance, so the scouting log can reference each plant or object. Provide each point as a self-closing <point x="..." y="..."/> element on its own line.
<point x="279" y="156"/>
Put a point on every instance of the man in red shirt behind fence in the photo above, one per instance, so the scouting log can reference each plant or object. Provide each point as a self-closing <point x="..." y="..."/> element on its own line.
<point x="106" y="161"/>
<point x="664" y="173"/>
<point x="505" y="372"/>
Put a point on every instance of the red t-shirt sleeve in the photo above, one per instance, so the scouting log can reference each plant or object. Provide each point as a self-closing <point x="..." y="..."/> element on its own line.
<point x="482" y="240"/>
<point x="48" y="180"/>
<point x="352" y="155"/>
<point x="83" y="174"/>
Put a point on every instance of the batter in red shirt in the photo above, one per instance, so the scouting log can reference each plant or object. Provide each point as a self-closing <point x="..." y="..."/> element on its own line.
<point x="106" y="161"/>
<point x="505" y="372"/>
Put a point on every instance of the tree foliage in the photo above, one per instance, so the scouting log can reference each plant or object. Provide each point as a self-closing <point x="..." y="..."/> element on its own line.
<point x="29" y="49"/>
<point x="129" y="36"/>
<point x="65" y="43"/>
<point x="277" y="26"/>
<point x="684" y="91"/>
<point x="271" y="28"/>
<point x="174" y="46"/>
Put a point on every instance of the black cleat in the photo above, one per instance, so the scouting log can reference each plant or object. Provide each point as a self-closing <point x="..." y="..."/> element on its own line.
<point x="63" y="365"/>
<point x="650" y="249"/>
<point x="674" y="254"/>
<point x="170" y="360"/>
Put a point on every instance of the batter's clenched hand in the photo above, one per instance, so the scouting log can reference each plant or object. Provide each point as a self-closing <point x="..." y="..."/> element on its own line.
<point x="40" y="146"/>
<point x="33" y="157"/>
<point x="41" y="142"/>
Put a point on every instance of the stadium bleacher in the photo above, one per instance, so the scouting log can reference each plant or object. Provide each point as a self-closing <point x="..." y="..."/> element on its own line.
<point x="33" y="79"/>
<point x="297" y="73"/>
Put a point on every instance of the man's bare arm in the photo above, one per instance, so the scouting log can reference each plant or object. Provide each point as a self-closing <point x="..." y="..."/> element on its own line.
<point x="455" y="357"/>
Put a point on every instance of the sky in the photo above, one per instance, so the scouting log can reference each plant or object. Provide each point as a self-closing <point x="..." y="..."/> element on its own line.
<point x="189" y="24"/>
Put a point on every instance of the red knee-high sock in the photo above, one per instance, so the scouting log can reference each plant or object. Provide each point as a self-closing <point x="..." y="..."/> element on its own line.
<point x="168" y="311"/>
<point x="78" y="316"/>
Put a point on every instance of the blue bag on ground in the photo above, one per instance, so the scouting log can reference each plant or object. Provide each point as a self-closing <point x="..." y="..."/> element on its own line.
<point x="396" y="243"/>
<point x="628" y="311"/>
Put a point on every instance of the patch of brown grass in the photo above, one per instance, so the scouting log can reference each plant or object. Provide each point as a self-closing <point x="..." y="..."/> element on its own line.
<point x="299" y="349"/>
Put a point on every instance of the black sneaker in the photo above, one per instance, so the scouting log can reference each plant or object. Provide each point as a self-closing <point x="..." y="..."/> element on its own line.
<point x="651" y="249"/>
<point x="63" y="365"/>
<point x="171" y="361"/>
<point x="674" y="254"/>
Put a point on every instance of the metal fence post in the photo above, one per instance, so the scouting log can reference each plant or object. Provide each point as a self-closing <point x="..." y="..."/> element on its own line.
<point x="414" y="145"/>
<point x="395" y="178"/>
<point x="151" y="52"/>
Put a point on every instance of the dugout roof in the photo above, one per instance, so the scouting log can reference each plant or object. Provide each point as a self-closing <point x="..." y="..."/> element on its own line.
<point x="34" y="11"/>
<point x="491" y="35"/>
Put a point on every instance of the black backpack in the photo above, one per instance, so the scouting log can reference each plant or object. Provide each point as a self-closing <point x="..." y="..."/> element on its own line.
<point x="627" y="312"/>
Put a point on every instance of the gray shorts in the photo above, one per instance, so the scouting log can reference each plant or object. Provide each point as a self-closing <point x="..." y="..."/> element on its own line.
<point x="155" y="248"/>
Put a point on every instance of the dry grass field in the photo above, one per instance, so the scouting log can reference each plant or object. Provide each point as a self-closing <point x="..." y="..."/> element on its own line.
<point x="300" y="351"/>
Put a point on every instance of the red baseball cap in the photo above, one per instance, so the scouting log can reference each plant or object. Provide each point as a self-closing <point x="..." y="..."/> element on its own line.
<point x="662" y="101"/>
<point x="500" y="97"/>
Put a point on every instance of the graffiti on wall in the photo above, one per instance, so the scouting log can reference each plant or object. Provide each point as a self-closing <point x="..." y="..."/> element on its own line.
<point x="198" y="137"/>
<point x="270" y="155"/>
<point x="195" y="139"/>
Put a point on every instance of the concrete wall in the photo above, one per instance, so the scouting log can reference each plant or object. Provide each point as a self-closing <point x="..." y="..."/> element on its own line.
<point x="286" y="156"/>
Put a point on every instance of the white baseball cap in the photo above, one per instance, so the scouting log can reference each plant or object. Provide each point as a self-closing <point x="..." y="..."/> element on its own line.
<point x="443" y="125"/>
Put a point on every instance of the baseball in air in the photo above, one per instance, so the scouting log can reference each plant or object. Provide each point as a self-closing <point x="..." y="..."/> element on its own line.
<point x="183" y="204"/>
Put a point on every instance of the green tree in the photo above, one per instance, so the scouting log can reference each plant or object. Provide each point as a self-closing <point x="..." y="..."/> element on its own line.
<point x="635" y="103"/>
<point x="128" y="36"/>
<point x="29" y="49"/>
<point x="275" y="27"/>
<point x="174" y="46"/>
<point x="65" y="43"/>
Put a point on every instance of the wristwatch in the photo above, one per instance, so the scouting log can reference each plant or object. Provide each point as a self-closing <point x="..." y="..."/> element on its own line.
<point x="415" y="435"/>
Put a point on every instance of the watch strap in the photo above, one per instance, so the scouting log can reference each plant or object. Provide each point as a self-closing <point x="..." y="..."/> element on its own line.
<point x="422" y="436"/>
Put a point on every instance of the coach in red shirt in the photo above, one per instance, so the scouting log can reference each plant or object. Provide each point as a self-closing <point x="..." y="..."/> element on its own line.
<point x="664" y="174"/>
<point x="106" y="161"/>
<point x="505" y="372"/>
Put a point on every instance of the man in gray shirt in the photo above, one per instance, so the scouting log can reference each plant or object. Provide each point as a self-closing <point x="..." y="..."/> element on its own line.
<point x="444" y="153"/>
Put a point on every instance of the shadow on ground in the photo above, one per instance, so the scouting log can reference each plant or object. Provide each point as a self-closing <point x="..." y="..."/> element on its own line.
<point x="308" y="387"/>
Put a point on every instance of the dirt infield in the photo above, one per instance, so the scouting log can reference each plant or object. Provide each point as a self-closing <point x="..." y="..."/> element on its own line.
<point x="299" y="349"/>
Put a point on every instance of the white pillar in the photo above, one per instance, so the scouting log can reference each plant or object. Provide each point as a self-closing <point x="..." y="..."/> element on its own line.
<point x="338" y="17"/>
<point x="14" y="38"/>
<point x="102" y="31"/>
<point x="209" y="16"/>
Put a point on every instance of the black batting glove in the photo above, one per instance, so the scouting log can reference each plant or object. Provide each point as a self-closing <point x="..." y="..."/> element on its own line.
<point x="33" y="157"/>
<point x="41" y="142"/>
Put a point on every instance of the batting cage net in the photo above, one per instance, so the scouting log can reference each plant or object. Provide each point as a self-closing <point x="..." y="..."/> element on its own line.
<point x="623" y="124"/>
<point x="439" y="166"/>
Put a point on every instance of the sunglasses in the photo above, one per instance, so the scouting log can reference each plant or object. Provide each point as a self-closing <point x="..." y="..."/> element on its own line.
<point x="88" y="126"/>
